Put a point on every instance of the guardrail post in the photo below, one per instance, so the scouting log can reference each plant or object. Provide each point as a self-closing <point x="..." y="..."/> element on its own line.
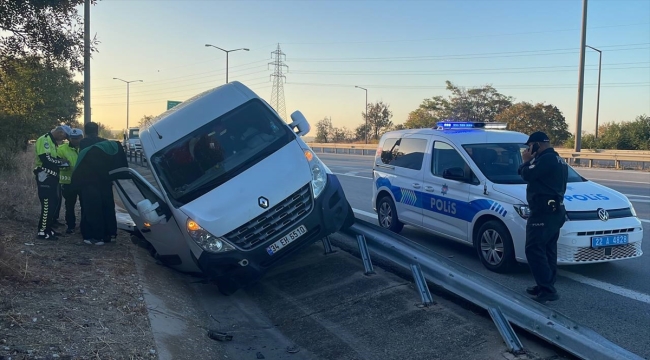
<point x="365" y="255"/>
<point x="327" y="245"/>
<point x="422" y="286"/>
<point x="591" y="162"/>
<point x="507" y="332"/>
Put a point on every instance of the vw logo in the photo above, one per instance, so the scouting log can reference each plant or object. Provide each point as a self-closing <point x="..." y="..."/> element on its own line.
<point x="603" y="215"/>
<point x="263" y="202"/>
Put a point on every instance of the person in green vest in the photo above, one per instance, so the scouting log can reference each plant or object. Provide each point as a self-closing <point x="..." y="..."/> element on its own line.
<point x="47" y="165"/>
<point x="70" y="152"/>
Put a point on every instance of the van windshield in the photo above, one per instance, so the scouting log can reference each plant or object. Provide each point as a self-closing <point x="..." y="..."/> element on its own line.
<point x="134" y="133"/>
<point x="500" y="162"/>
<point x="219" y="150"/>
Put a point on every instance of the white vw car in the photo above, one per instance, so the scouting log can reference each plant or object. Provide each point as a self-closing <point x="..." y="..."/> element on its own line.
<point x="460" y="181"/>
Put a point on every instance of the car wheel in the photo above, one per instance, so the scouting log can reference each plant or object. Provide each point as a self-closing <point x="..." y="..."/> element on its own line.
<point x="494" y="246"/>
<point x="387" y="215"/>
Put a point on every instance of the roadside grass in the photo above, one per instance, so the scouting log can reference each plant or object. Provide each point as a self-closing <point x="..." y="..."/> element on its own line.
<point x="64" y="299"/>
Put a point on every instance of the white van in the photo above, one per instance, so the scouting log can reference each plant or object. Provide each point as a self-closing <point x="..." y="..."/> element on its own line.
<point x="460" y="181"/>
<point x="236" y="188"/>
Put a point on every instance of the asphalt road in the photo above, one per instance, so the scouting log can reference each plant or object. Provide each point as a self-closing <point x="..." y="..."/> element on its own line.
<point x="612" y="298"/>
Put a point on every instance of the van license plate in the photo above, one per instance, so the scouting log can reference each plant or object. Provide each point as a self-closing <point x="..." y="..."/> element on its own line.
<point x="612" y="240"/>
<point x="286" y="240"/>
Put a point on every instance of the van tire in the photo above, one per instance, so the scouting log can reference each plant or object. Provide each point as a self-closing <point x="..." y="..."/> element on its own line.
<point x="495" y="231"/>
<point x="386" y="209"/>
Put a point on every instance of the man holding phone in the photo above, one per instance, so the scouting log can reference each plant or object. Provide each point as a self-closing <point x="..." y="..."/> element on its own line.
<point x="546" y="174"/>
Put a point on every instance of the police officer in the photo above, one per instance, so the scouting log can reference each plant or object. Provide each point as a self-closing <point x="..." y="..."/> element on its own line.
<point x="69" y="152"/>
<point x="46" y="170"/>
<point x="546" y="174"/>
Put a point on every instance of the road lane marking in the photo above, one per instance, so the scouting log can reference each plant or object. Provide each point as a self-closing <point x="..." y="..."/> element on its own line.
<point x="623" y="181"/>
<point x="614" y="289"/>
<point x="633" y="195"/>
<point x="640" y="201"/>
<point x="645" y="221"/>
<point x="364" y="213"/>
<point x="356" y="176"/>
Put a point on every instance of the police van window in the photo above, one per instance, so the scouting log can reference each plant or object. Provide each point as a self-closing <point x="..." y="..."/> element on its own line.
<point x="500" y="162"/>
<point x="389" y="150"/>
<point x="446" y="157"/>
<point x="406" y="153"/>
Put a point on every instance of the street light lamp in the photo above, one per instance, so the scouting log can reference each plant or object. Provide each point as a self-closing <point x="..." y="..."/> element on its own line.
<point x="366" y="113"/>
<point x="227" y="52"/>
<point x="600" y="58"/>
<point x="127" y="98"/>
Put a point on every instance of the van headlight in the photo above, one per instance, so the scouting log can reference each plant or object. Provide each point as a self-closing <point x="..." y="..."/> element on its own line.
<point x="318" y="173"/>
<point x="523" y="211"/>
<point x="205" y="240"/>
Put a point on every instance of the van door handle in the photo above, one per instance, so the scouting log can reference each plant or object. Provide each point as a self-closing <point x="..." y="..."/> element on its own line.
<point x="428" y="188"/>
<point x="416" y="185"/>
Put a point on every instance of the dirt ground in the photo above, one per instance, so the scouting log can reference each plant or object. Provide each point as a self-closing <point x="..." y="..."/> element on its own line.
<point x="64" y="299"/>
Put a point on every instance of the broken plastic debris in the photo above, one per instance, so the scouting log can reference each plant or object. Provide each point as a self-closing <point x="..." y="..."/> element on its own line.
<point x="29" y="244"/>
<point x="219" y="336"/>
<point x="293" y="349"/>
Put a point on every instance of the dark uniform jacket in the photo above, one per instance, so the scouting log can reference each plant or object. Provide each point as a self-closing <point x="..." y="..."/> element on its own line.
<point x="546" y="175"/>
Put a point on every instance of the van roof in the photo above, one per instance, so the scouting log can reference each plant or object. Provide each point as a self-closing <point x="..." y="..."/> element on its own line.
<point x="196" y="111"/>
<point x="465" y="136"/>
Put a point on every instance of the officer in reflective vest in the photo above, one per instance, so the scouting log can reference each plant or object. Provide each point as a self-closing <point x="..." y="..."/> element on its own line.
<point x="69" y="152"/>
<point x="546" y="174"/>
<point x="46" y="171"/>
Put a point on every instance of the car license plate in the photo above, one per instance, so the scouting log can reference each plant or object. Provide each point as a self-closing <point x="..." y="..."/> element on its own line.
<point x="611" y="240"/>
<point x="286" y="240"/>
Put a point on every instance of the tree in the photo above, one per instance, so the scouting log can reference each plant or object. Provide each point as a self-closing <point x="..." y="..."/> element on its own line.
<point x="35" y="97"/>
<point x="362" y="132"/>
<point x="145" y="120"/>
<point x="324" y="130"/>
<point x="379" y="117"/>
<point x="528" y="118"/>
<point x="105" y="132"/>
<point x="477" y="104"/>
<point x="52" y="29"/>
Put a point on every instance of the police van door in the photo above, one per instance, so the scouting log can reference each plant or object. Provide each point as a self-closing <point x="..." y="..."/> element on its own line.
<point x="163" y="233"/>
<point x="402" y="166"/>
<point x="446" y="184"/>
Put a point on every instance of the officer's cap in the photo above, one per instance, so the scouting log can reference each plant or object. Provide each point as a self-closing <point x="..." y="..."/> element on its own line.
<point x="76" y="134"/>
<point x="66" y="129"/>
<point x="538" y="136"/>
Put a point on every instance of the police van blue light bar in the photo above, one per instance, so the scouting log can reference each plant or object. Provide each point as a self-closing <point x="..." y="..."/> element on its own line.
<point x="448" y="125"/>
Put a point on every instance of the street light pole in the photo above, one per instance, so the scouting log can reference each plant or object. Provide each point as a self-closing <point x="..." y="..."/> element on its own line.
<point x="600" y="61"/>
<point x="366" y="113"/>
<point x="227" y="53"/>
<point x="127" y="98"/>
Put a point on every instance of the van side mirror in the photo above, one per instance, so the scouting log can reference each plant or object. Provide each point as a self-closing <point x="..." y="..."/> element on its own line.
<point x="300" y="122"/>
<point x="454" y="173"/>
<point x="148" y="212"/>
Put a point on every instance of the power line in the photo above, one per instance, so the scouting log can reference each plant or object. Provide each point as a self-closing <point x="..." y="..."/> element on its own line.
<point x="526" y="86"/>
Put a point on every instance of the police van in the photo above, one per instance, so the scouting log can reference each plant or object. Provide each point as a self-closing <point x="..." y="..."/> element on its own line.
<point x="235" y="189"/>
<point x="460" y="181"/>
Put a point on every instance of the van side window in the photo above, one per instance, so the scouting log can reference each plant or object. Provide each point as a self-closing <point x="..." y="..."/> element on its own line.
<point x="446" y="157"/>
<point x="408" y="153"/>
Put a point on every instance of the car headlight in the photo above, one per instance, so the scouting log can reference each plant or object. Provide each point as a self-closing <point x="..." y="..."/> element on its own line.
<point x="523" y="211"/>
<point x="205" y="240"/>
<point x="633" y="210"/>
<point x="318" y="173"/>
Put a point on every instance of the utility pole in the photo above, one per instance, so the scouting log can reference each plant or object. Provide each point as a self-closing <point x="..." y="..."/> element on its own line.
<point x="600" y="62"/>
<point x="86" y="61"/>
<point x="581" y="78"/>
<point x="127" y="99"/>
<point x="277" y="91"/>
<point x="227" y="52"/>
<point x="366" y="113"/>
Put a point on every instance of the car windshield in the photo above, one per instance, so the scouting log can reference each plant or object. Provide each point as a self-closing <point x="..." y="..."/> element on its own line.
<point x="219" y="150"/>
<point x="500" y="162"/>
<point x="134" y="133"/>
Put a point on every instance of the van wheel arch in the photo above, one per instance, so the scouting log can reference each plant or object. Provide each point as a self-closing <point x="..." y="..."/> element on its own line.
<point x="491" y="222"/>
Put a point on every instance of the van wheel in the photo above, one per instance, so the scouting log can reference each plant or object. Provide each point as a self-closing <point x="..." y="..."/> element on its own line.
<point x="387" y="215"/>
<point x="494" y="246"/>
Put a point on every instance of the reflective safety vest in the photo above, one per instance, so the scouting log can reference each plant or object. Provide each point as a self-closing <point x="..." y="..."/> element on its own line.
<point x="46" y="155"/>
<point x="70" y="154"/>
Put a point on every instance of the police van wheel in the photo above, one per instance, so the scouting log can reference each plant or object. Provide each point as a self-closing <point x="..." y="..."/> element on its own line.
<point x="494" y="246"/>
<point x="387" y="215"/>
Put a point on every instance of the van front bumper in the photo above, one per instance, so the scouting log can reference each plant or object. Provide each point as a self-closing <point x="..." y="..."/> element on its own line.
<point x="328" y="215"/>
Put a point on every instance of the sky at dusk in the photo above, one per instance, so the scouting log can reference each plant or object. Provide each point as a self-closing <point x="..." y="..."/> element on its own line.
<point x="401" y="51"/>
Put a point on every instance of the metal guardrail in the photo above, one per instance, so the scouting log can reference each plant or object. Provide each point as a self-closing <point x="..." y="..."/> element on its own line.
<point x="136" y="157"/>
<point x="572" y="157"/>
<point x="504" y="305"/>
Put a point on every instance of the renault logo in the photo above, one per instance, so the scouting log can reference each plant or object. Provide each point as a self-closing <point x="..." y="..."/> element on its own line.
<point x="603" y="215"/>
<point x="263" y="202"/>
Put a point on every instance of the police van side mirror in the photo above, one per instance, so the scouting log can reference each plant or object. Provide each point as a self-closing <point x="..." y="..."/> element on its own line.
<point x="454" y="173"/>
<point x="300" y="122"/>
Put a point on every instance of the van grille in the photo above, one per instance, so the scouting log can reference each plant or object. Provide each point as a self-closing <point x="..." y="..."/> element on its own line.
<point x="274" y="221"/>
<point x="593" y="214"/>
